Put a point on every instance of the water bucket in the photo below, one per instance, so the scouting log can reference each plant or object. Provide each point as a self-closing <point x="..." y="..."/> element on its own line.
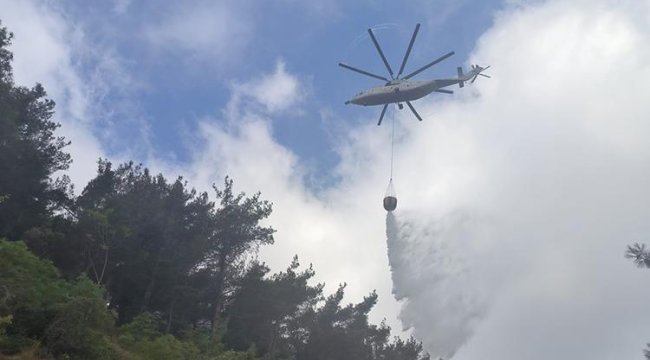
<point x="390" y="199"/>
<point x="390" y="203"/>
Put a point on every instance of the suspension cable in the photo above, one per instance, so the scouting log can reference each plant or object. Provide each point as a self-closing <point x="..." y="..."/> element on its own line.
<point x="392" y="146"/>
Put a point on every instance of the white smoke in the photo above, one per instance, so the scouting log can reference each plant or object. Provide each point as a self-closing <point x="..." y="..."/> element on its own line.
<point x="432" y="275"/>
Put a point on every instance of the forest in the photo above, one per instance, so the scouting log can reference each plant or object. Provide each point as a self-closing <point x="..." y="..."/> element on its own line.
<point x="139" y="266"/>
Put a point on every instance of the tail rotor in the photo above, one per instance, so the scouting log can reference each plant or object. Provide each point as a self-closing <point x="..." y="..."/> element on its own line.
<point x="477" y="70"/>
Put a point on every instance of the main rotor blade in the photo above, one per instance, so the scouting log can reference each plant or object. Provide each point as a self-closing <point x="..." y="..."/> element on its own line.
<point x="362" y="72"/>
<point x="428" y="65"/>
<point x="381" y="117"/>
<point x="381" y="53"/>
<point x="408" y="51"/>
<point x="444" y="91"/>
<point x="413" y="109"/>
<point x="487" y="76"/>
<point x="474" y="78"/>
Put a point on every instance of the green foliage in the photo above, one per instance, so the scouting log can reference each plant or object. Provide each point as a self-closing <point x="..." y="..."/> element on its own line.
<point x="143" y="236"/>
<point x="29" y="153"/>
<point x="81" y="324"/>
<point x="145" y="326"/>
<point x="263" y="308"/>
<point x="68" y="317"/>
<point x="400" y="349"/>
<point x="236" y="230"/>
<point x="4" y="323"/>
<point x="164" y="347"/>
<point x="237" y="355"/>
<point x="313" y="334"/>
<point x="27" y="282"/>
<point x="31" y="291"/>
<point x="237" y="223"/>
<point x="332" y="324"/>
<point x="142" y="338"/>
<point x="6" y="56"/>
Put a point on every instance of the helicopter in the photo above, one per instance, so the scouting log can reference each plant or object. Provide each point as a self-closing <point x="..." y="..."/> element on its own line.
<point x="403" y="90"/>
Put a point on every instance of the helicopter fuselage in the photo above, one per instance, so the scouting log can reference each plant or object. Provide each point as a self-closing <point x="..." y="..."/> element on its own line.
<point x="398" y="91"/>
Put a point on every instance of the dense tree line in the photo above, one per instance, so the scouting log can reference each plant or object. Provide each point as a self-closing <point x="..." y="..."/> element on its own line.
<point x="140" y="267"/>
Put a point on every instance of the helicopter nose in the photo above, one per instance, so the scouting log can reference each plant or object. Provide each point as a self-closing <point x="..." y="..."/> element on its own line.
<point x="356" y="99"/>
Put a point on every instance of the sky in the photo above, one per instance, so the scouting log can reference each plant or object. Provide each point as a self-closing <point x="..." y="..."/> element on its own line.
<point x="517" y="195"/>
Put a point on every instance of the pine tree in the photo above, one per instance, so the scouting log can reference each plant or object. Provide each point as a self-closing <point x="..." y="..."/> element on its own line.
<point x="30" y="153"/>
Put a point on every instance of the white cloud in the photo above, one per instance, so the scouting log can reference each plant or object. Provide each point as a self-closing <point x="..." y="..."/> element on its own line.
<point x="120" y="6"/>
<point x="205" y="30"/>
<point x="552" y="162"/>
<point x="275" y="93"/>
<point x="278" y="91"/>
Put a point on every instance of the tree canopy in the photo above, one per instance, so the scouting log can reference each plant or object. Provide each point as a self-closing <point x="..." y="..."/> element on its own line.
<point x="138" y="266"/>
<point x="30" y="153"/>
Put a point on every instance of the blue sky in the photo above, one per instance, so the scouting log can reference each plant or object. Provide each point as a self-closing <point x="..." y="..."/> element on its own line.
<point x="516" y="196"/>
<point x="174" y="85"/>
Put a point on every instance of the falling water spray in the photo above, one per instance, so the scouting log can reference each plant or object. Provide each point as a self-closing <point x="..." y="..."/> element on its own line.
<point x="432" y="279"/>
